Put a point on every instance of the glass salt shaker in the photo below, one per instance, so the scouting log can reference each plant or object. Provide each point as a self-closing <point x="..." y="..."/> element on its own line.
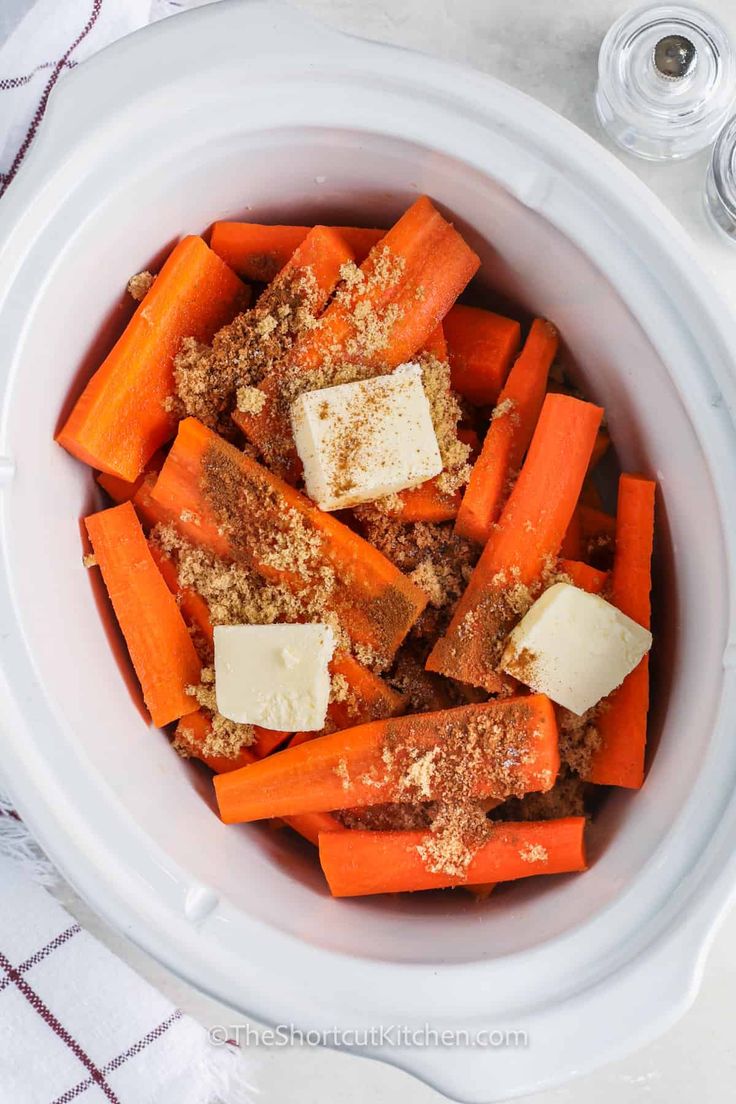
<point x="720" y="182"/>
<point x="666" y="81"/>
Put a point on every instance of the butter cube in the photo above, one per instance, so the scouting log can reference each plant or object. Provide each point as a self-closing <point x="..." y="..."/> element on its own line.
<point x="361" y="441"/>
<point x="275" y="676"/>
<point x="574" y="647"/>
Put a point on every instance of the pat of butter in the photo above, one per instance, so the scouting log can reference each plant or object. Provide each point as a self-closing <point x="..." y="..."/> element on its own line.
<point x="361" y="441"/>
<point x="574" y="647"/>
<point x="275" y="676"/>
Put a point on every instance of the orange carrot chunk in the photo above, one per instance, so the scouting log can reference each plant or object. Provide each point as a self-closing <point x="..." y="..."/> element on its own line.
<point x="622" y="725"/>
<point x="523" y="545"/>
<point x="259" y="252"/>
<point x="193" y="607"/>
<point x="584" y="576"/>
<point x="481" y="347"/>
<point x="384" y="761"/>
<point x="222" y="499"/>
<point x="320" y="257"/>
<point x="193" y="738"/>
<point x="159" y="643"/>
<point x="357" y="863"/>
<point x="119" y="420"/>
<point x="408" y="282"/>
<point x="508" y="437"/>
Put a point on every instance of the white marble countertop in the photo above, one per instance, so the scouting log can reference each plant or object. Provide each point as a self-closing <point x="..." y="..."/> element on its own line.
<point x="548" y="48"/>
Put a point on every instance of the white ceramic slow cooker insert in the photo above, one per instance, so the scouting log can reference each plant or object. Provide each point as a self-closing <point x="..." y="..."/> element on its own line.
<point x="246" y="109"/>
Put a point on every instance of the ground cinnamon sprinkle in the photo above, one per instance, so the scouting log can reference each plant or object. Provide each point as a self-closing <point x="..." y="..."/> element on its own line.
<point x="139" y="285"/>
<point x="211" y="380"/>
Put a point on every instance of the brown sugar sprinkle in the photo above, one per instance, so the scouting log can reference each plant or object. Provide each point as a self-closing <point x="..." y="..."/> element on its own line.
<point x="210" y="380"/>
<point x="566" y="798"/>
<point x="424" y="691"/>
<point x="579" y="737"/>
<point x="446" y="413"/>
<point x="399" y="817"/>
<point x="437" y="560"/>
<point x="237" y="595"/>
<point x="139" y="285"/>
<point x="455" y="766"/>
<point x="282" y="540"/>
<point x="457" y="832"/>
<point x="534" y="852"/>
<point x="89" y="560"/>
<point x="226" y="738"/>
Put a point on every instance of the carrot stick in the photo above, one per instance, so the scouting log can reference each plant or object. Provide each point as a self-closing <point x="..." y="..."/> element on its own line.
<point x="119" y="420"/>
<point x="436" y="344"/>
<point x="159" y="643"/>
<point x="515" y="750"/>
<point x="322" y="254"/>
<point x="312" y="825"/>
<point x="427" y="502"/>
<point x="191" y="734"/>
<point x="258" y="252"/>
<point x="572" y="542"/>
<point x="524" y="544"/>
<point x="120" y="490"/>
<point x="584" y="576"/>
<point x="481" y="347"/>
<point x="357" y="863"/>
<point x="220" y="498"/>
<point x="508" y="437"/>
<point x="622" y="725"/>
<point x="408" y="282"/>
<point x="193" y="607"/>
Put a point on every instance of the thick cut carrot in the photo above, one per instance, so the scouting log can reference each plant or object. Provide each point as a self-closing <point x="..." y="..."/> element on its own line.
<point x="240" y="511"/>
<point x="524" y="543"/>
<point x="321" y="255"/>
<point x="481" y="347"/>
<point x="259" y="252"/>
<point x="408" y="282"/>
<point x="367" y="698"/>
<point x="119" y="420"/>
<point x="120" y="490"/>
<point x="193" y="607"/>
<point x="515" y="750"/>
<point x="584" y="576"/>
<point x="622" y="725"/>
<point x="159" y="643"/>
<point x="509" y="434"/>
<point x="192" y="733"/>
<point x="357" y="863"/>
<point x="436" y="345"/>
<point x="312" y="825"/>
<point x="428" y="502"/>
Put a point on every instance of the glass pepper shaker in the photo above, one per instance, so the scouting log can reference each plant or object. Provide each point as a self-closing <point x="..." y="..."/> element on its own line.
<point x="666" y="81"/>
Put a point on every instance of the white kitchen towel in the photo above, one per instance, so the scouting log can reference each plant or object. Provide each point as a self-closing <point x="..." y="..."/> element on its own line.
<point x="48" y="39"/>
<point x="76" y="1023"/>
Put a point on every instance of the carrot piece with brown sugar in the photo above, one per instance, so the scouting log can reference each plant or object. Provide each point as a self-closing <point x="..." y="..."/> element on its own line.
<point x="523" y="546"/>
<point x="222" y="499"/>
<point x="481" y="347"/>
<point x="386" y="311"/>
<point x="158" y="640"/>
<point x="357" y="863"/>
<point x="622" y="723"/>
<point x="511" y="429"/>
<point x="258" y="252"/>
<point x="120" y="420"/>
<point x="495" y="749"/>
